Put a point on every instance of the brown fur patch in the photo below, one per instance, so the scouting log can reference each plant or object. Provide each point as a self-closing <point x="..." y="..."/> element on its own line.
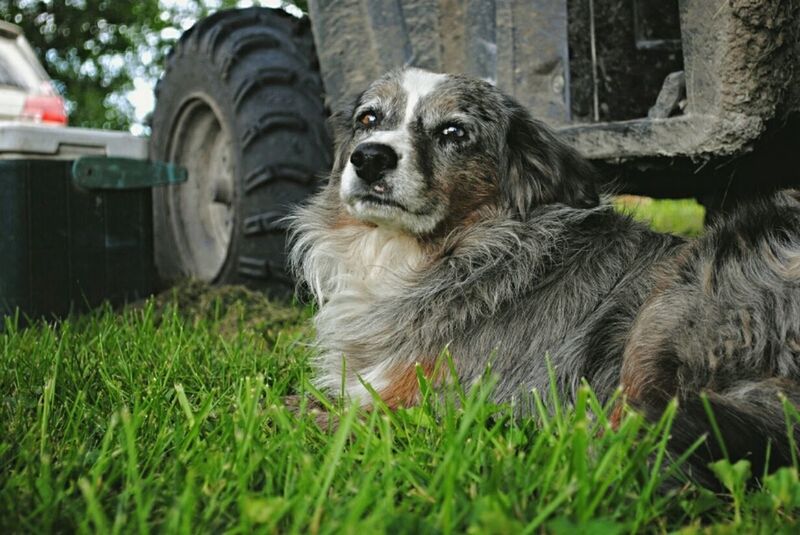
<point x="403" y="390"/>
<point x="616" y="415"/>
<point x="647" y="377"/>
<point x="346" y="220"/>
<point x="469" y="192"/>
<point x="666" y="276"/>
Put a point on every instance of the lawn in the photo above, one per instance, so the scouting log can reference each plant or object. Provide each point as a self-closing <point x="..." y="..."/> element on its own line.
<point x="170" y="416"/>
<point x="677" y="216"/>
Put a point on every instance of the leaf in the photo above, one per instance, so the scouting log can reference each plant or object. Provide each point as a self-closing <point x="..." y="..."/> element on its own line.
<point x="264" y="510"/>
<point x="732" y="476"/>
<point x="784" y="488"/>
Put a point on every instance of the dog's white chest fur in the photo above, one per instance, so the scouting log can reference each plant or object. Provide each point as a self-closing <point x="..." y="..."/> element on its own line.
<point x="353" y="269"/>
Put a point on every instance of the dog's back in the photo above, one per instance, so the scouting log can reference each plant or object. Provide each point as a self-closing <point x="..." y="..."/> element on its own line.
<point x="724" y="321"/>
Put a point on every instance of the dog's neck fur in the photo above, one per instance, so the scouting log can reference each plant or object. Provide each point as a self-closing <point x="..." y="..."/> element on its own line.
<point x="350" y="268"/>
<point x="381" y="292"/>
<point x="358" y="257"/>
<point x="358" y="273"/>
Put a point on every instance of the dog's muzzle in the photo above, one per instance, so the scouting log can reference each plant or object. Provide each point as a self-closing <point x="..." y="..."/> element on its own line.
<point x="372" y="160"/>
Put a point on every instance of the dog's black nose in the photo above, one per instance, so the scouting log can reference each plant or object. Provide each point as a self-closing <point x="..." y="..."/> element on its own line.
<point x="372" y="160"/>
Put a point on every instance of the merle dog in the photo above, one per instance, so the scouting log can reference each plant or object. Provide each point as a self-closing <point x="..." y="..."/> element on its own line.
<point x="454" y="219"/>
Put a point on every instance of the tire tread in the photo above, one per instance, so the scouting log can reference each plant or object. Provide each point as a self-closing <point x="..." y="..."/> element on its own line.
<point x="258" y="55"/>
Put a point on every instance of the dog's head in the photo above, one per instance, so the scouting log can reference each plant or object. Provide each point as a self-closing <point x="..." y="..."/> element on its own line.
<point x="423" y="152"/>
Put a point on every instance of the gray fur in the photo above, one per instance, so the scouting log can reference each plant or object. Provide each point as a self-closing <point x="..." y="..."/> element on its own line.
<point x="538" y="268"/>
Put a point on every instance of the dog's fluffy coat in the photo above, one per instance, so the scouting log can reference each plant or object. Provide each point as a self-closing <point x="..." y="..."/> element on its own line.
<point x="494" y="244"/>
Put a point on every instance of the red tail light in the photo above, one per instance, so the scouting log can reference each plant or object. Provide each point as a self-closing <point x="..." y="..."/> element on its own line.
<point x="45" y="109"/>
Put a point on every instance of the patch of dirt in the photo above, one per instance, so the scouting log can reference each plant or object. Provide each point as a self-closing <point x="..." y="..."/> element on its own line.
<point x="230" y="308"/>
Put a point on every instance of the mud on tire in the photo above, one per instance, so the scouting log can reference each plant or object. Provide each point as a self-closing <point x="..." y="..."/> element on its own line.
<point x="240" y="105"/>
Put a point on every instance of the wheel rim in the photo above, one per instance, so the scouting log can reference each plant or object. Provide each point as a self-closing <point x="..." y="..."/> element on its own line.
<point x="202" y="210"/>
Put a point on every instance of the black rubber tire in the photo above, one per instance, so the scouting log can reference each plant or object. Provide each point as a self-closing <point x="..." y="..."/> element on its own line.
<point x="256" y="69"/>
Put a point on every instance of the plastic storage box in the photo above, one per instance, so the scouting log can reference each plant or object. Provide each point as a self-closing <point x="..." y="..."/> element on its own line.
<point x="76" y="225"/>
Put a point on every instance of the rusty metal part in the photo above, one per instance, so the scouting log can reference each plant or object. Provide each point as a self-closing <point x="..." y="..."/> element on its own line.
<point x="742" y="77"/>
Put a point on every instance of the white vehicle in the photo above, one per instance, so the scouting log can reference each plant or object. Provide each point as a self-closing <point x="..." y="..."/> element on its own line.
<point x="26" y="92"/>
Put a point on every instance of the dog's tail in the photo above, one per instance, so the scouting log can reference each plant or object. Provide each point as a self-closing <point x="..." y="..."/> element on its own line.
<point x="755" y="421"/>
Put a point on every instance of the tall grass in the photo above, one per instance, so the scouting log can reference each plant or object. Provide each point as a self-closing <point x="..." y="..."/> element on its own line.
<point x="155" y="420"/>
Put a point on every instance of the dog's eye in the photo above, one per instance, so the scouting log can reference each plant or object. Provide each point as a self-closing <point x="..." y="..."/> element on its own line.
<point x="368" y="119"/>
<point x="452" y="132"/>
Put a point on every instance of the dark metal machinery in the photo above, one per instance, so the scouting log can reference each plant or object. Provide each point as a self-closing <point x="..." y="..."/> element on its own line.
<point x="672" y="98"/>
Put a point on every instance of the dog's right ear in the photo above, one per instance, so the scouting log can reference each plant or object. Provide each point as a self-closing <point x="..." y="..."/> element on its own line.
<point x="542" y="169"/>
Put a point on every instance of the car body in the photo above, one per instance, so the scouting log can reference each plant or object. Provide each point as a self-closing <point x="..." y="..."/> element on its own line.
<point x="26" y="91"/>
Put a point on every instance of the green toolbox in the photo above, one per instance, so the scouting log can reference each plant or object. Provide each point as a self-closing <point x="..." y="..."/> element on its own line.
<point x="76" y="222"/>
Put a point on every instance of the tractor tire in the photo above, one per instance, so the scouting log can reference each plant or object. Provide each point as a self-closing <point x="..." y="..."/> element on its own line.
<point x="240" y="105"/>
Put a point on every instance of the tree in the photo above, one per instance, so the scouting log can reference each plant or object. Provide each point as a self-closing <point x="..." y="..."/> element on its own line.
<point x="94" y="49"/>
<point x="91" y="48"/>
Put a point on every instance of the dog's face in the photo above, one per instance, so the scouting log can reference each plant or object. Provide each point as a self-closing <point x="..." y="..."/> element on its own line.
<point x="422" y="152"/>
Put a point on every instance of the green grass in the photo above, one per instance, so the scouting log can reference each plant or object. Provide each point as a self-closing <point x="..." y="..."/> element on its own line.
<point x="676" y="216"/>
<point x="170" y="417"/>
<point x="159" y="419"/>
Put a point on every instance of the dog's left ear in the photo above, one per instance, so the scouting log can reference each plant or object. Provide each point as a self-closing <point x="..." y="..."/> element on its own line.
<point x="340" y="126"/>
<point x="542" y="169"/>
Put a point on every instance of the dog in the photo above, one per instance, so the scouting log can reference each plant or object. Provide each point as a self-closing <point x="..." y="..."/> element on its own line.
<point x="453" y="219"/>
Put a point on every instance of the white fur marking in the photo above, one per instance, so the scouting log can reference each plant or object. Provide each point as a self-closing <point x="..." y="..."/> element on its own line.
<point x="374" y="377"/>
<point x="404" y="181"/>
<point x="349" y="184"/>
<point x="418" y="83"/>
<point x="350" y="269"/>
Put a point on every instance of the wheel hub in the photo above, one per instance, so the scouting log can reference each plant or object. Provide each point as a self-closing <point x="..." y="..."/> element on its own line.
<point x="202" y="211"/>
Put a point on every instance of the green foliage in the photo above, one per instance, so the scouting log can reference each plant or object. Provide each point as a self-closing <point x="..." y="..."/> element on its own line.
<point x="167" y="419"/>
<point x="94" y="49"/>
<point x="676" y="216"/>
